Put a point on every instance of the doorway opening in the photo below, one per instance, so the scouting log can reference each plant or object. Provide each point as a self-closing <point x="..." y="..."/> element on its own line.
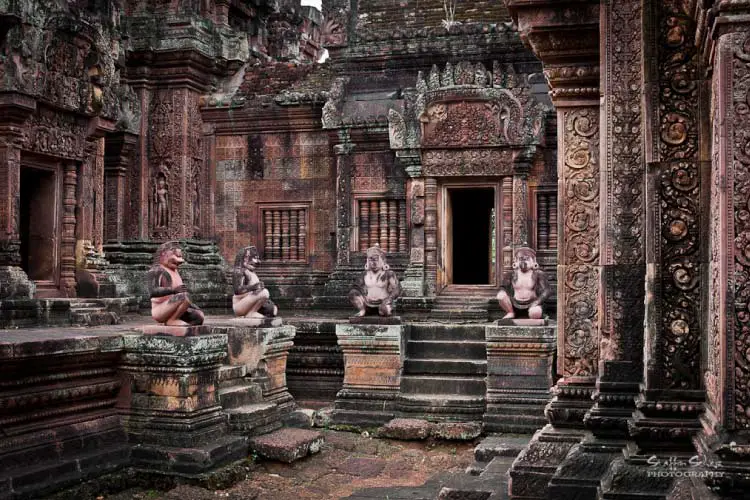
<point x="472" y="233"/>
<point x="38" y="214"/>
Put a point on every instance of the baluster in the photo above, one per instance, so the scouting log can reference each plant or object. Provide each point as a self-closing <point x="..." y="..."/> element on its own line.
<point x="285" y="235"/>
<point x="552" y="221"/>
<point x="542" y="221"/>
<point x="364" y="219"/>
<point x="293" y="232"/>
<point x="384" y="225"/>
<point x="392" y="226"/>
<point x="302" y="243"/>
<point x="277" y="234"/>
<point x="402" y="226"/>
<point x="268" y="234"/>
<point x="373" y="222"/>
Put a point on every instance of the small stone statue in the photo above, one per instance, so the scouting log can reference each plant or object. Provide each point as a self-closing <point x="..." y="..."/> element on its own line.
<point x="528" y="287"/>
<point x="377" y="288"/>
<point x="251" y="298"/>
<point x="170" y="303"/>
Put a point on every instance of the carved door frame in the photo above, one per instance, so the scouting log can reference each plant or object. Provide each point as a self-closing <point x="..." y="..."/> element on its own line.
<point x="31" y="161"/>
<point x="444" y="258"/>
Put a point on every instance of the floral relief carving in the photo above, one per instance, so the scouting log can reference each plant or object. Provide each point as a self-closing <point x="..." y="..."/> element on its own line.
<point x="447" y="162"/>
<point x="56" y="134"/>
<point x="581" y="215"/>
<point x="679" y="187"/>
<point x="739" y="237"/>
<point x="623" y="257"/>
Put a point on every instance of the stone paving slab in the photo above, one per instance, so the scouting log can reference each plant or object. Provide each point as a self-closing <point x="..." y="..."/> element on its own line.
<point x="287" y="444"/>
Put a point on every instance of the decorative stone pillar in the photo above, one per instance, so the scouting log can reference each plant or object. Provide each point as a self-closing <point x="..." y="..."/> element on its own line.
<point x="373" y="362"/>
<point x="726" y="421"/>
<point x="68" y="240"/>
<point x="414" y="280"/>
<point x="571" y="66"/>
<point x="671" y="398"/>
<point x="521" y="207"/>
<point x="343" y="197"/>
<point x="170" y="405"/>
<point x="430" y="236"/>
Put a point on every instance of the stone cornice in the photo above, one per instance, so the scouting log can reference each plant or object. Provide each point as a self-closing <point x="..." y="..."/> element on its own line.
<point x="564" y="35"/>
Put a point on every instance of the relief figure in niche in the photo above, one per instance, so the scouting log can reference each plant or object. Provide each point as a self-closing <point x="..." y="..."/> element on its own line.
<point x="251" y="298"/>
<point x="170" y="302"/>
<point x="161" y="201"/>
<point x="527" y="289"/>
<point x="375" y="291"/>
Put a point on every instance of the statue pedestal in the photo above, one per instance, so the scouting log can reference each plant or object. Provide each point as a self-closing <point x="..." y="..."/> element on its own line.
<point x="257" y="322"/>
<point x="519" y="376"/>
<point x="176" y="331"/>
<point x="264" y="352"/>
<point x="170" y="405"/>
<point x="373" y="360"/>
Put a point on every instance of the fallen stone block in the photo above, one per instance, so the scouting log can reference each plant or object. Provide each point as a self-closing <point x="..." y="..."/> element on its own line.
<point x="302" y="418"/>
<point x="457" y="431"/>
<point x="287" y="444"/>
<point x="455" y="494"/>
<point x="323" y="417"/>
<point x="407" y="429"/>
<point x="500" y="446"/>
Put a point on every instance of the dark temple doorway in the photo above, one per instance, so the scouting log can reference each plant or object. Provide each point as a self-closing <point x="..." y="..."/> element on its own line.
<point x="38" y="224"/>
<point x="472" y="221"/>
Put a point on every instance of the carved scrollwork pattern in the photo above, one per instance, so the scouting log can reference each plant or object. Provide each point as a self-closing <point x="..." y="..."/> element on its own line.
<point x="717" y="282"/>
<point x="581" y="252"/>
<point x="447" y="162"/>
<point x="739" y="238"/>
<point x="679" y="193"/>
<point x="623" y="250"/>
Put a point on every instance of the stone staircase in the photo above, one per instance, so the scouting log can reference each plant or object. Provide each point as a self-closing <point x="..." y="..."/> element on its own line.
<point x="242" y="400"/>
<point x="462" y="305"/>
<point x="91" y="312"/>
<point x="444" y="373"/>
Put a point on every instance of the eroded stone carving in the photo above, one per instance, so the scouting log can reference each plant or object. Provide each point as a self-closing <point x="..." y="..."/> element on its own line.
<point x="251" y="298"/>
<point x="378" y="286"/>
<point x="170" y="302"/>
<point x="527" y="288"/>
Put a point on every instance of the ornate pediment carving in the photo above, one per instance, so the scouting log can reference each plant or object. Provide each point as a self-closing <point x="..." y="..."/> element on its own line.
<point x="467" y="106"/>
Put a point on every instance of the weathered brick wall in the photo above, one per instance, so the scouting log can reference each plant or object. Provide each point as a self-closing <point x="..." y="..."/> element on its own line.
<point x="385" y="15"/>
<point x="278" y="168"/>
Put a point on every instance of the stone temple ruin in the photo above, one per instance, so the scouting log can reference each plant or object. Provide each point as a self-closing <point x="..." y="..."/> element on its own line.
<point x="602" y="143"/>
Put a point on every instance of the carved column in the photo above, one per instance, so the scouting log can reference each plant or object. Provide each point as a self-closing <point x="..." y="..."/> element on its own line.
<point x="727" y="420"/>
<point x="344" y="197"/>
<point x="117" y="163"/>
<point x="670" y="402"/>
<point x="623" y="259"/>
<point x="521" y="207"/>
<point x="430" y="236"/>
<point x="413" y="283"/>
<point x="565" y="36"/>
<point x="68" y="240"/>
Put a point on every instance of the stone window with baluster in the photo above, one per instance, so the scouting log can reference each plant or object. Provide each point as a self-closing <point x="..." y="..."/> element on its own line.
<point x="284" y="229"/>
<point x="381" y="221"/>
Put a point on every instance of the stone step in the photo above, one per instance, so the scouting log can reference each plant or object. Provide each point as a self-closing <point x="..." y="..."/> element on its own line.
<point x="254" y="419"/>
<point x="477" y="316"/>
<point x="240" y="395"/>
<point x="446" y="349"/>
<point x="445" y="367"/>
<point x="94" y="318"/>
<point x="230" y="373"/>
<point x="287" y="444"/>
<point x="437" y="331"/>
<point x="467" y="385"/>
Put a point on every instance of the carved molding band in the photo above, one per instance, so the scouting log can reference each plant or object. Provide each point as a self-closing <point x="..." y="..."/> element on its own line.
<point x="470" y="162"/>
